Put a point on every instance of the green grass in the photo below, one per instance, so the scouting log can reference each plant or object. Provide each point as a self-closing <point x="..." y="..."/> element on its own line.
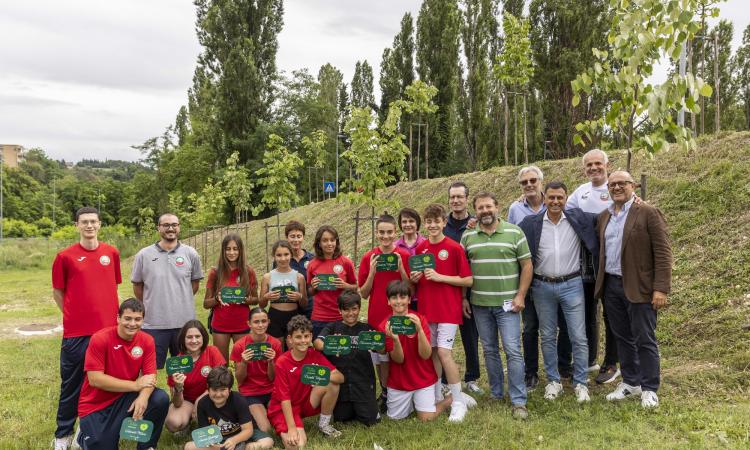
<point x="705" y="195"/>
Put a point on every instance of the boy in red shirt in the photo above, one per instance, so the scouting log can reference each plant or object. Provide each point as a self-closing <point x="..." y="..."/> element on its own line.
<point x="291" y="400"/>
<point x="372" y="285"/>
<point x="120" y="382"/>
<point x="84" y="285"/>
<point x="440" y="291"/>
<point x="412" y="377"/>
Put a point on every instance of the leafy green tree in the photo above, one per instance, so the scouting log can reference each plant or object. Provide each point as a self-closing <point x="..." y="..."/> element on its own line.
<point x="419" y="101"/>
<point x="642" y="31"/>
<point x="277" y="177"/>
<point x="237" y="185"/>
<point x="563" y="32"/>
<point x="390" y="81"/>
<point x="722" y="34"/>
<point x="741" y="70"/>
<point x="437" y="38"/>
<point x="362" y="96"/>
<point x="514" y="7"/>
<point x="208" y="206"/>
<point x="478" y="32"/>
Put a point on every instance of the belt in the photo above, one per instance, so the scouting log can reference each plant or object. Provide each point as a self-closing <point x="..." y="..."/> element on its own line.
<point x="561" y="279"/>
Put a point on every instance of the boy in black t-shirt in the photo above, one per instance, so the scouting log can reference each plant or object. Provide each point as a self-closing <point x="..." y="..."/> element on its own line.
<point x="356" y="399"/>
<point x="228" y="410"/>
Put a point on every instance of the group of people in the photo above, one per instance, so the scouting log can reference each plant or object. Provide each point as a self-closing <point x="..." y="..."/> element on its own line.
<point x="545" y="267"/>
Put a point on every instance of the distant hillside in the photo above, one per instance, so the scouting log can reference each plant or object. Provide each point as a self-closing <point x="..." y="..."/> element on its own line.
<point x="705" y="195"/>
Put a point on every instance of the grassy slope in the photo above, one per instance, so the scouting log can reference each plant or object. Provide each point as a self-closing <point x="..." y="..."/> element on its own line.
<point x="705" y="195"/>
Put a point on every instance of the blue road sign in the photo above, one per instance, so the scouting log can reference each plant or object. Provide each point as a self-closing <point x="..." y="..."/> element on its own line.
<point x="329" y="187"/>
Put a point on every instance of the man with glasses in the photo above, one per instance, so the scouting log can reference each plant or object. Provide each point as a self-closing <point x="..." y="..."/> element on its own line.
<point x="458" y="220"/>
<point x="165" y="277"/>
<point x="530" y="178"/>
<point x="635" y="277"/>
<point x="84" y="285"/>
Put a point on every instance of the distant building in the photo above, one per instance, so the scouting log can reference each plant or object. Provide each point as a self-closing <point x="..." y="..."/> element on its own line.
<point x="12" y="155"/>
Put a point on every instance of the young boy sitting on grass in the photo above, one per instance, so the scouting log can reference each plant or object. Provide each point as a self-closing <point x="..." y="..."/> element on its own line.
<point x="356" y="399"/>
<point x="412" y="376"/>
<point x="228" y="410"/>
<point x="292" y="400"/>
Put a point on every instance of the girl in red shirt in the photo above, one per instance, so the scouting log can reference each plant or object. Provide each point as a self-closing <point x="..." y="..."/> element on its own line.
<point x="187" y="388"/>
<point x="282" y="308"/>
<point x="255" y="377"/>
<point x="328" y="260"/>
<point x="229" y="320"/>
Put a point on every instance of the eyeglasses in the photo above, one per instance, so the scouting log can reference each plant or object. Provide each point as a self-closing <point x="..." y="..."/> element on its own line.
<point x="170" y="225"/>
<point x="619" y="184"/>
<point x="529" y="181"/>
<point x="86" y="223"/>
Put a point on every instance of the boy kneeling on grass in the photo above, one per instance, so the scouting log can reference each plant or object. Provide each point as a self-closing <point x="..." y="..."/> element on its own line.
<point x="292" y="400"/>
<point x="228" y="410"/>
<point x="356" y="400"/>
<point x="412" y="376"/>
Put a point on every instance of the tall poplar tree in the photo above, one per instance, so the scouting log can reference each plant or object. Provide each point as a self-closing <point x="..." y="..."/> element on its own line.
<point x="362" y="85"/>
<point x="438" y="27"/>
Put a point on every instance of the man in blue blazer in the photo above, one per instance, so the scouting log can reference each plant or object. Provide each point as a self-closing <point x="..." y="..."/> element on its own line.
<point x="564" y="250"/>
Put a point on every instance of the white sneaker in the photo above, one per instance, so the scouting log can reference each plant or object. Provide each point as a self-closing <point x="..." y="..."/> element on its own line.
<point x="649" y="399"/>
<point x="458" y="412"/>
<point x="582" y="393"/>
<point x="593" y="369"/>
<point x="553" y="390"/>
<point x="474" y="388"/>
<point x="62" y="443"/>
<point x="74" y="445"/>
<point x="624" y="391"/>
<point x="468" y="400"/>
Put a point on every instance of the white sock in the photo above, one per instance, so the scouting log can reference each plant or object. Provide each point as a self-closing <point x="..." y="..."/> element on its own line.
<point x="456" y="392"/>
<point x="324" y="420"/>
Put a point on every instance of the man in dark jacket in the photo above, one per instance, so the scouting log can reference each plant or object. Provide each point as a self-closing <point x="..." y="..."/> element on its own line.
<point x="563" y="245"/>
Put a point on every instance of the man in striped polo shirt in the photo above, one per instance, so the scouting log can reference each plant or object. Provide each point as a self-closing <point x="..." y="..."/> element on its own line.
<point x="501" y="265"/>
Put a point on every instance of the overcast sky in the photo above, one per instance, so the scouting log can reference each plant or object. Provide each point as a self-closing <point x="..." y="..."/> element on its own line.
<point x="88" y="79"/>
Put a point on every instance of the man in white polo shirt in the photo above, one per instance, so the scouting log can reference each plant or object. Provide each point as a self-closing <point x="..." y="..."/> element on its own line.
<point x="165" y="277"/>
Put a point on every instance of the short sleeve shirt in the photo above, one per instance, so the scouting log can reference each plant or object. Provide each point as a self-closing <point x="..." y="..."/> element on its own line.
<point x="495" y="262"/>
<point x="519" y="210"/>
<point x="109" y="353"/>
<point x="232" y="317"/>
<point x="89" y="279"/>
<point x="589" y="199"/>
<point x="229" y="418"/>
<point x="195" y="381"/>
<point x="415" y="372"/>
<point x="256" y="382"/>
<point x="377" y="307"/>
<point x="326" y="307"/>
<point x="359" y="375"/>
<point x="442" y="302"/>
<point x="167" y="278"/>
<point x="288" y="382"/>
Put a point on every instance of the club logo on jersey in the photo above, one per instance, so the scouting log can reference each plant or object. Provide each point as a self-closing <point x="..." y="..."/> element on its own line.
<point x="338" y="268"/>
<point x="443" y="254"/>
<point x="205" y="370"/>
<point x="104" y="260"/>
<point x="179" y="261"/>
<point x="136" y="352"/>
<point x="81" y="258"/>
<point x="604" y="196"/>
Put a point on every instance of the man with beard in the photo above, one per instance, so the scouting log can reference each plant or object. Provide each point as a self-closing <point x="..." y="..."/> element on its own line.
<point x="459" y="220"/>
<point x="501" y="265"/>
<point x="165" y="277"/>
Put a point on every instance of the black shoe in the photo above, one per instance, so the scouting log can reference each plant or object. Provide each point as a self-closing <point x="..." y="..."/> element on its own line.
<point x="531" y="382"/>
<point x="566" y="374"/>
<point x="383" y="402"/>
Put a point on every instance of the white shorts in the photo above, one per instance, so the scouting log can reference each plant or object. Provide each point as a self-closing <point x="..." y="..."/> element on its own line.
<point x="378" y="358"/>
<point x="402" y="403"/>
<point x="443" y="334"/>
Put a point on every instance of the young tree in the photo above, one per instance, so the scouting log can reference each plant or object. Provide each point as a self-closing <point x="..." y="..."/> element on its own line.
<point x="419" y="100"/>
<point x="316" y="152"/>
<point x="237" y="185"/>
<point x="741" y="70"/>
<point x="718" y="55"/>
<point x="642" y="31"/>
<point x="277" y="177"/>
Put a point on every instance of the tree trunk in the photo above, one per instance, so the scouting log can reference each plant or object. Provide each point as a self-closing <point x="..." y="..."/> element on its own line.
<point x="411" y="152"/>
<point x="426" y="151"/>
<point x="505" y="125"/>
<point x="419" y="141"/>
<point x="515" y="130"/>
<point x="356" y="233"/>
<point x="525" y="141"/>
<point x="717" y="80"/>
<point x="690" y="71"/>
<point x="703" y="66"/>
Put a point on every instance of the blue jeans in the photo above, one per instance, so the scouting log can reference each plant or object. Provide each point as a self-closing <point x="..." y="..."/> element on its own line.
<point x="569" y="297"/>
<point x="490" y="320"/>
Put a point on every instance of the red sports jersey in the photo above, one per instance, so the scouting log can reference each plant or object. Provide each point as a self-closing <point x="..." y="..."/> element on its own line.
<point x="195" y="381"/>
<point x="414" y="373"/>
<point x="113" y="355"/>
<point x="89" y="279"/>
<point x="231" y="318"/>
<point x="288" y="383"/>
<point x="326" y="306"/>
<point x="256" y="382"/>
<point x="378" y="308"/>
<point x="441" y="302"/>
